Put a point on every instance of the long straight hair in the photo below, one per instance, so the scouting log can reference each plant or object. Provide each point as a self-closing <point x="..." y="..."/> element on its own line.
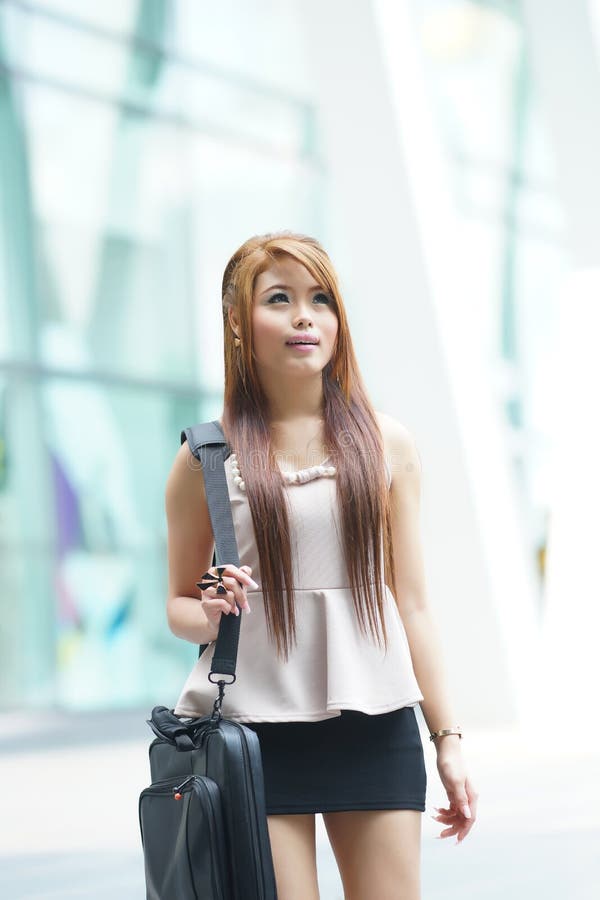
<point x="351" y="433"/>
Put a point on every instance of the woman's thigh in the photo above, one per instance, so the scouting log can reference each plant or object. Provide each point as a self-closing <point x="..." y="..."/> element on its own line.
<point x="293" y="846"/>
<point x="378" y="852"/>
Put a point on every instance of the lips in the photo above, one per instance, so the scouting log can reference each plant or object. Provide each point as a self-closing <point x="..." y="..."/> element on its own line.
<point x="303" y="339"/>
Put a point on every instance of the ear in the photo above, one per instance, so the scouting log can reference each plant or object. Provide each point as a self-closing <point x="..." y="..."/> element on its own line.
<point x="233" y="321"/>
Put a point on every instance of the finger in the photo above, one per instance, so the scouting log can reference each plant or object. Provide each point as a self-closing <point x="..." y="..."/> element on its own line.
<point x="234" y="598"/>
<point x="446" y="811"/>
<point x="215" y="575"/>
<point x="463" y="820"/>
<point x="213" y="605"/>
<point x="228" y="596"/>
<point x="458" y="808"/>
<point x="238" y="591"/>
<point x="225" y="602"/>
<point x="237" y="572"/>
<point x="462" y="835"/>
<point x="461" y="805"/>
<point x="464" y="827"/>
<point x="473" y="797"/>
<point x="231" y="581"/>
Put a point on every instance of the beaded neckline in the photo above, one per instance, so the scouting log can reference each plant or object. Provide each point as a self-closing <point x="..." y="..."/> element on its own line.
<point x="300" y="476"/>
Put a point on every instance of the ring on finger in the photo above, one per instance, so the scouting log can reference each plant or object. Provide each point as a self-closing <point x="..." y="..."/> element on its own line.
<point x="216" y="581"/>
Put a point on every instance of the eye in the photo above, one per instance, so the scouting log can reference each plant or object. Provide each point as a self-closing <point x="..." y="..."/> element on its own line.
<point x="274" y="297"/>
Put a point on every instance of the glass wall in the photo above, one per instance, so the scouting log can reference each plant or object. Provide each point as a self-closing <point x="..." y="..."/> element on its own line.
<point x="135" y="139"/>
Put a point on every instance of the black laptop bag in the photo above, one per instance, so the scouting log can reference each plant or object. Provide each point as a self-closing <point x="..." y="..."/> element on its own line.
<point x="203" y="821"/>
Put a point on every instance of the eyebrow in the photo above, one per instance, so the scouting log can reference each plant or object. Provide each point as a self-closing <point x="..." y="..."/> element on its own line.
<point x="315" y="287"/>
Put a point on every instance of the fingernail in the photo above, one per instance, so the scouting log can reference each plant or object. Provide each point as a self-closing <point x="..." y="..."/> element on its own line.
<point x="237" y="612"/>
<point x="248" y="607"/>
<point x="253" y="584"/>
<point x="466" y="811"/>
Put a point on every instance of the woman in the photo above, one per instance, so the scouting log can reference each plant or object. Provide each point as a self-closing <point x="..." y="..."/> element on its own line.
<point x="338" y="644"/>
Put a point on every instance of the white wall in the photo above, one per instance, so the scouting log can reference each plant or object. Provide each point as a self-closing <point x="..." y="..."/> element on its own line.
<point x="392" y="240"/>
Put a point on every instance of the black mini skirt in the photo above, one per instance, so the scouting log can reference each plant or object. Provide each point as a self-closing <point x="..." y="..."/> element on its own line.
<point x="352" y="761"/>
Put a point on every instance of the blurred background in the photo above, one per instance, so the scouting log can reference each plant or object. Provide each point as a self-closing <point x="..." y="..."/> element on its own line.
<point x="445" y="153"/>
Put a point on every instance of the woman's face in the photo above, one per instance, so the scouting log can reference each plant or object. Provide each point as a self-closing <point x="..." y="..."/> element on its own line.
<point x="288" y="304"/>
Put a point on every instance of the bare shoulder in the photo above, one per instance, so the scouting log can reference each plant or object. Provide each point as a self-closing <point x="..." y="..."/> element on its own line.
<point x="399" y="441"/>
<point x="400" y="449"/>
<point x="185" y="495"/>
<point x="185" y="476"/>
<point x="190" y="538"/>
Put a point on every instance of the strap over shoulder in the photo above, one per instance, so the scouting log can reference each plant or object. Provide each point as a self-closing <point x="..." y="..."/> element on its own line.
<point x="203" y="434"/>
<point x="208" y="444"/>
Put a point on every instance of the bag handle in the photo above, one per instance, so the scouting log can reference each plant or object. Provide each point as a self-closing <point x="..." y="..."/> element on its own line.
<point x="170" y="728"/>
<point x="208" y="444"/>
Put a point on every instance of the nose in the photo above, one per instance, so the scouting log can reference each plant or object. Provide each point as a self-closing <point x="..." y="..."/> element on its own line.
<point x="303" y="319"/>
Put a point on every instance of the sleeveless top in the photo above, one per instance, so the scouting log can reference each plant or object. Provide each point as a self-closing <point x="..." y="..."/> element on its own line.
<point x="333" y="665"/>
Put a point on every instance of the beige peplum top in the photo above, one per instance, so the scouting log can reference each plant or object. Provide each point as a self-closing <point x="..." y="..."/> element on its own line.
<point x="333" y="666"/>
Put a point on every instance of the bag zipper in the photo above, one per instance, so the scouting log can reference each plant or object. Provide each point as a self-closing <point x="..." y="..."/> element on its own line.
<point x="160" y="788"/>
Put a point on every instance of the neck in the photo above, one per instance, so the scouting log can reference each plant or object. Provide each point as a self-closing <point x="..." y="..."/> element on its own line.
<point x="294" y="399"/>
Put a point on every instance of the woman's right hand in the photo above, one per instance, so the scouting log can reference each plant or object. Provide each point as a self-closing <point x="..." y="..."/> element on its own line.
<point x="214" y="605"/>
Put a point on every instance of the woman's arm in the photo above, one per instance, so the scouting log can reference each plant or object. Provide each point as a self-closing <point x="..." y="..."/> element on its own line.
<point x="411" y="594"/>
<point x="190" y="548"/>
<point x="421" y="628"/>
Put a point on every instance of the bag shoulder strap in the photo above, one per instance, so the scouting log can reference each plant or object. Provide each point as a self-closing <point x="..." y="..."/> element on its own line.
<point x="208" y="445"/>
<point x="204" y="433"/>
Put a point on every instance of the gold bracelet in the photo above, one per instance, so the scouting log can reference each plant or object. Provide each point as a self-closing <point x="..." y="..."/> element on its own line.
<point x="446" y="731"/>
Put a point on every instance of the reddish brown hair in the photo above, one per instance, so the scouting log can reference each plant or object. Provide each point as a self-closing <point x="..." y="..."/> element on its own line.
<point x="351" y="434"/>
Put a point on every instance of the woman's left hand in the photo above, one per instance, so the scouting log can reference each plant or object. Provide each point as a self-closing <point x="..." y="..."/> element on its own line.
<point x="461" y="814"/>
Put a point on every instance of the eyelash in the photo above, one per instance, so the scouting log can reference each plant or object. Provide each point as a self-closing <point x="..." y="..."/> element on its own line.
<point x="280" y="294"/>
